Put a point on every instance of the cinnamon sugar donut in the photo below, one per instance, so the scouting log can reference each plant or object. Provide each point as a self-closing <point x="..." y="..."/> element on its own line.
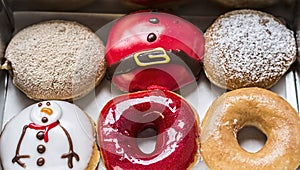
<point x="56" y="59"/>
<point x="246" y="48"/>
<point x="256" y="107"/>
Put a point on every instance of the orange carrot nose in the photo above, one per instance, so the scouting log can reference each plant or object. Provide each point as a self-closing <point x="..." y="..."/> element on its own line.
<point x="47" y="110"/>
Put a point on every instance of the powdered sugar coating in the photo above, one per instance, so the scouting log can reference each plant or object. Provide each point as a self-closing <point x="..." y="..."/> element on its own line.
<point x="247" y="48"/>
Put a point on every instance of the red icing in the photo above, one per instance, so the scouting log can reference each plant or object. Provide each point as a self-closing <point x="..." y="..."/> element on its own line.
<point x="45" y="128"/>
<point x="128" y="36"/>
<point x="143" y="78"/>
<point x="125" y="116"/>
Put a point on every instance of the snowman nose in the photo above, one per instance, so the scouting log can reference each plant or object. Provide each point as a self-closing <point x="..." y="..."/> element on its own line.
<point x="47" y="110"/>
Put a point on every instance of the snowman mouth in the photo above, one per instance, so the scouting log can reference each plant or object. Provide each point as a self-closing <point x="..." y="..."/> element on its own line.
<point x="44" y="119"/>
<point x="46" y="110"/>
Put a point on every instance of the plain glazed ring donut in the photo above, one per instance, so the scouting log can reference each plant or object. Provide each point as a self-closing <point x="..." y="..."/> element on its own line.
<point x="256" y="107"/>
<point x="177" y="145"/>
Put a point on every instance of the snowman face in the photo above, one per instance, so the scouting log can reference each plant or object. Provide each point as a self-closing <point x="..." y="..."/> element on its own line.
<point x="45" y="113"/>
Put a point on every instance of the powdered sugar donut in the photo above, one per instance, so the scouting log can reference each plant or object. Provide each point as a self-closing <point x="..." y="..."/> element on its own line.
<point x="49" y="135"/>
<point x="246" y="48"/>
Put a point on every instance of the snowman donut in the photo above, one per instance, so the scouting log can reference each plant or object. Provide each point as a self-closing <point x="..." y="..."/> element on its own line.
<point x="49" y="135"/>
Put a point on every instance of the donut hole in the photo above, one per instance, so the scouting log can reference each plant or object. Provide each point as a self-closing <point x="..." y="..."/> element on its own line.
<point x="251" y="139"/>
<point x="146" y="140"/>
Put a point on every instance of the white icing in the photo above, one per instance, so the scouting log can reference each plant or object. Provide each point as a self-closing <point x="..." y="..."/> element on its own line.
<point x="249" y="46"/>
<point x="37" y="113"/>
<point x="73" y="119"/>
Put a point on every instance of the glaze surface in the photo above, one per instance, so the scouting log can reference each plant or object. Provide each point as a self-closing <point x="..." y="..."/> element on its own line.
<point x="125" y="116"/>
<point x="256" y="107"/>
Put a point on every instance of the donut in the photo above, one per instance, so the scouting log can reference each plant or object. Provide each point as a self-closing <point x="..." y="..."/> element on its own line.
<point x="122" y="118"/>
<point x="259" y="108"/>
<point x="56" y="60"/>
<point x="153" y="48"/>
<point x="246" y="3"/>
<point x="247" y="48"/>
<point x="49" y="135"/>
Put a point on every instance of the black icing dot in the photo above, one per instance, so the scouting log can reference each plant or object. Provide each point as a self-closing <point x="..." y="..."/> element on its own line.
<point x="151" y="37"/>
<point x="40" y="135"/>
<point x="44" y="119"/>
<point x="41" y="149"/>
<point x="40" y="161"/>
<point x="48" y="103"/>
<point x="40" y="104"/>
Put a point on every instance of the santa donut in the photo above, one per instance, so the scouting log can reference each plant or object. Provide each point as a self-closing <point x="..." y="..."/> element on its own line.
<point x="151" y="54"/>
<point x="153" y="48"/>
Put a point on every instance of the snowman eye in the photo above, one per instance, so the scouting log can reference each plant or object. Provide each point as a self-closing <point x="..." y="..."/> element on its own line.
<point x="40" y="104"/>
<point x="48" y="103"/>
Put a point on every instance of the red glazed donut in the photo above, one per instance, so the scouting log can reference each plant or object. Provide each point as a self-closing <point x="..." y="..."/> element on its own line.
<point x="153" y="48"/>
<point x="122" y="118"/>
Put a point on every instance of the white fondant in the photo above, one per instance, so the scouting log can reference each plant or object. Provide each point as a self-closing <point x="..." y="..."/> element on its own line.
<point x="72" y="119"/>
<point x="37" y="114"/>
